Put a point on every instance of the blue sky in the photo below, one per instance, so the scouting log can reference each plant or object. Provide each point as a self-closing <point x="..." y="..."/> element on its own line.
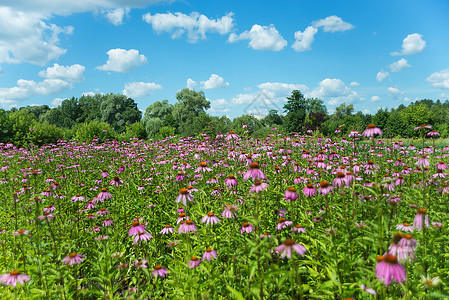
<point x="369" y="53"/>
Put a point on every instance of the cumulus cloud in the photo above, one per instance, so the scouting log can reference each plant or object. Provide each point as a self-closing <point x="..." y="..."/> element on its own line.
<point x="335" y="91"/>
<point x="219" y="106"/>
<point x="399" y="65"/>
<point x="375" y="99"/>
<point x="29" y="88"/>
<point x="440" y="79"/>
<point x="73" y="73"/>
<point x="332" y="24"/>
<point x="304" y="40"/>
<point x="26" y="37"/>
<point x="115" y="16"/>
<point x="354" y="83"/>
<point x="57" y="101"/>
<point x="139" y="90"/>
<point x="214" y="82"/>
<point x="261" y="38"/>
<point x="412" y="44"/>
<point x="195" y="25"/>
<point x="123" y="61"/>
<point x="191" y="84"/>
<point x="280" y="89"/>
<point x="395" y="93"/>
<point x="382" y="75"/>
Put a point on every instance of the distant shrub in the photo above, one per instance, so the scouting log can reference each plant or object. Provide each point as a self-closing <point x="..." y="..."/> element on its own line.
<point x="166" y="131"/>
<point x="44" y="133"/>
<point x="133" y="130"/>
<point x="94" y="129"/>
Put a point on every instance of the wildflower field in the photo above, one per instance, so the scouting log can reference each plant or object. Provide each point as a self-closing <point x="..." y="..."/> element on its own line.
<point x="226" y="217"/>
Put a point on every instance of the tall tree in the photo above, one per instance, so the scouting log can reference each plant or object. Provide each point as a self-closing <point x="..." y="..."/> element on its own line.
<point x="296" y="112"/>
<point x="118" y="110"/>
<point x="190" y="104"/>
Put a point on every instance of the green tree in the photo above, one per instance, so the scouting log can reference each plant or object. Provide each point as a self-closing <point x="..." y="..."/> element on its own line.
<point x="190" y="104"/>
<point x="295" y="109"/>
<point x="117" y="110"/>
<point x="253" y="124"/>
<point x="158" y="114"/>
<point x="273" y="118"/>
<point x="381" y="117"/>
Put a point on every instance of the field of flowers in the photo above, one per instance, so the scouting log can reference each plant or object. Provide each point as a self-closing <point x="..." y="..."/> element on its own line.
<point x="226" y="217"/>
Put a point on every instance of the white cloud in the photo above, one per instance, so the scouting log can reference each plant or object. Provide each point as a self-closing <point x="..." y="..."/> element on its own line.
<point x="219" y="106"/>
<point x="382" y="75"/>
<point x="399" y="65"/>
<point x="28" y="88"/>
<point x="335" y="91"/>
<point x="123" y="61"/>
<point x="412" y="44"/>
<point x="375" y="99"/>
<point x="332" y="24"/>
<point x="214" y="82"/>
<point x="139" y="90"/>
<point x="443" y="95"/>
<point x="440" y="79"/>
<point x="73" y="73"/>
<point x="57" y="101"/>
<point x="243" y="98"/>
<point x="280" y="89"/>
<point x="395" y="93"/>
<point x="115" y="16"/>
<point x="261" y="38"/>
<point x="195" y="25"/>
<point x="366" y="111"/>
<point x="191" y="84"/>
<point x="354" y="83"/>
<point x="27" y="37"/>
<point x="304" y="40"/>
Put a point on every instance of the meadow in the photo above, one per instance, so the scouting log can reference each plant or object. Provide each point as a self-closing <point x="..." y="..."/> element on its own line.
<point x="226" y="217"/>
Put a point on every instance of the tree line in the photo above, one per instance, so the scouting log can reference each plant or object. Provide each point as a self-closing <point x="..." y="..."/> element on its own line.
<point x="115" y="116"/>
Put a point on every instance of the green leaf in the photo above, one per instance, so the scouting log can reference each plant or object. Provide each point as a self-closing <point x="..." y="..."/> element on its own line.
<point x="236" y="294"/>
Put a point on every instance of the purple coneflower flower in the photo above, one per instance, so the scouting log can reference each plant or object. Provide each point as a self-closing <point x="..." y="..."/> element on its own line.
<point x="77" y="198"/>
<point x="142" y="236"/>
<point x="290" y="194"/>
<point x="104" y="174"/>
<point x="103" y="211"/>
<point x="340" y="180"/>
<point x="73" y="258"/>
<point x="46" y="216"/>
<point x="209" y="254"/>
<point x="230" y="211"/>
<point x="13" y="278"/>
<point x="423" y="127"/>
<point x="371" y="130"/>
<point x="203" y="168"/>
<point x="258" y="187"/>
<point x="210" y="218"/>
<point x="421" y="218"/>
<point x="423" y="161"/>
<point x="232" y="136"/>
<point x="159" y="271"/>
<point x="325" y="188"/>
<point x="309" y="190"/>
<point x="247" y="228"/>
<point x="388" y="268"/>
<point x="107" y="222"/>
<point x="368" y="290"/>
<point x="183" y="196"/>
<point x="283" y="223"/>
<point x="103" y="195"/>
<point x="194" y="262"/>
<point x="286" y="248"/>
<point x="433" y="133"/>
<point x="49" y="208"/>
<point x="405" y="227"/>
<point x="167" y="229"/>
<point x="231" y="181"/>
<point x="265" y="235"/>
<point x="21" y="232"/>
<point x="116" y="181"/>
<point x="136" y="228"/>
<point x="141" y="263"/>
<point x="254" y="172"/>
<point x="187" y="226"/>
<point x="298" y="228"/>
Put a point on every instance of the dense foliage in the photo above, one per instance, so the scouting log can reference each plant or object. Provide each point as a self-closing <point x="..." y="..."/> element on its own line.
<point x="188" y="117"/>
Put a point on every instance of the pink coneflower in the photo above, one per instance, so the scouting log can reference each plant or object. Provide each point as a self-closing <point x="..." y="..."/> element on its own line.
<point x="187" y="226"/>
<point x="309" y="190"/>
<point x="159" y="271"/>
<point x="282" y="223"/>
<point x="168" y="229"/>
<point x="423" y="127"/>
<point x="433" y="133"/>
<point x="194" y="262"/>
<point x="49" y="208"/>
<point x="140" y="263"/>
<point x="421" y="218"/>
<point x="258" y="187"/>
<point x="107" y="222"/>
<point x="136" y="228"/>
<point x="441" y="165"/>
<point x="203" y="168"/>
<point x="104" y="174"/>
<point x="77" y="198"/>
<point x="405" y="227"/>
<point x="247" y="228"/>
<point x="286" y="248"/>
<point x="116" y="181"/>
<point x="232" y="136"/>
<point x="230" y="211"/>
<point x="325" y="188"/>
<point x="231" y="182"/>
<point x="73" y="258"/>
<point x="368" y="290"/>
<point x="371" y="130"/>
<point x="13" y="278"/>
<point x="290" y="194"/>
<point x="298" y="228"/>
<point x="102" y="238"/>
<point x="21" y="232"/>
<point x="209" y="254"/>
<point x="46" y="216"/>
<point x="254" y="172"/>
<point x="423" y="161"/>
<point x="183" y="196"/>
<point x="210" y="218"/>
<point x="142" y="236"/>
<point x="265" y="235"/>
<point x="340" y="180"/>
<point x="46" y="193"/>
<point x="103" y="211"/>
<point x="388" y="268"/>
<point x="103" y="195"/>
